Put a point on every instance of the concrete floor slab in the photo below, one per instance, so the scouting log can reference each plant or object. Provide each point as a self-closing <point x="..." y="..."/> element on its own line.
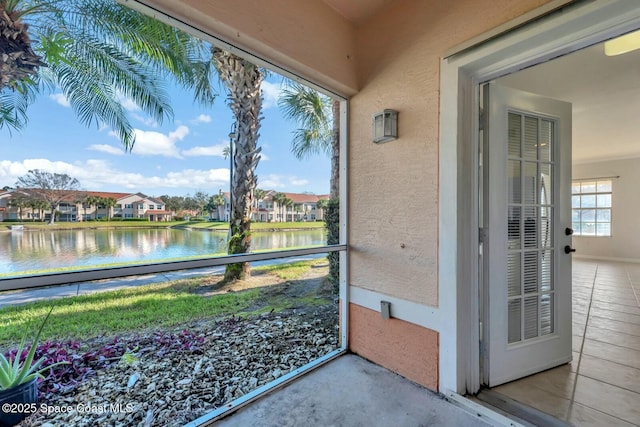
<point x="350" y="391"/>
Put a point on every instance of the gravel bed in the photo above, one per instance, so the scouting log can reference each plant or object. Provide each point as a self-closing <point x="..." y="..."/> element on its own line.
<point x="225" y="360"/>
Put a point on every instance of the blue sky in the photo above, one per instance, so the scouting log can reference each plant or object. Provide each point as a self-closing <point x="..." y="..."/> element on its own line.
<point x="178" y="157"/>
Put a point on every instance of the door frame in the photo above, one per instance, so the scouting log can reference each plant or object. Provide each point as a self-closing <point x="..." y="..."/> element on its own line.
<point x="559" y="33"/>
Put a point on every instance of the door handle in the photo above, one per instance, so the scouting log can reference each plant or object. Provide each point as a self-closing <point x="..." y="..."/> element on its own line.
<point x="568" y="231"/>
<point x="568" y="249"/>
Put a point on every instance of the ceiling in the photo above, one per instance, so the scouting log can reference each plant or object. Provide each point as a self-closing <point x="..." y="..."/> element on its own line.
<point x="605" y="93"/>
<point x="358" y="11"/>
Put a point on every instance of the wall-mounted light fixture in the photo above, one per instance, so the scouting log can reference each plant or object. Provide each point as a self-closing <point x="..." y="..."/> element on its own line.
<point x="385" y="126"/>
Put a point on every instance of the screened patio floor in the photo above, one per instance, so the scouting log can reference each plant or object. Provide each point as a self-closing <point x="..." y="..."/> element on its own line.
<point x="350" y="391"/>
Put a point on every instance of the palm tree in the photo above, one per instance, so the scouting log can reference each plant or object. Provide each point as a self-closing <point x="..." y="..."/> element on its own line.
<point x="109" y="203"/>
<point x="214" y="204"/>
<point x="19" y="201"/>
<point x="319" y="132"/>
<point x="93" y="201"/>
<point x="18" y="62"/>
<point x="39" y="205"/>
<point x="84" y="200"/>
<point x="279" y="199"/>
<point x="243" y="81"/>
<point x="319" y="120"/>
<point x="259" y="194"/>
<point x="322" y="205"/>
<point x="287" y="203"/>
<point x="94" y="51"/>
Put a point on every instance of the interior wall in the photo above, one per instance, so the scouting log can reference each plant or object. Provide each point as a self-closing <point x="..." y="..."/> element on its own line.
<point x="624" y="243"/>
<point x="393" y="187"/>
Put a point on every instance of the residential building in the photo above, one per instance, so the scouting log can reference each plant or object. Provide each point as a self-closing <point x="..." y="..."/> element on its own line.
<point x="86" y="206"/>
<point x="303" y="207"/>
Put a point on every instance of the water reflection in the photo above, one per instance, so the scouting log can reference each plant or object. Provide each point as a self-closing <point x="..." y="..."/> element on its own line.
<point x="35" y="250"/>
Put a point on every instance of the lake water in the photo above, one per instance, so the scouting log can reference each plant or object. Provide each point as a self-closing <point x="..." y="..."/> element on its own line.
<point x="36" y="250"/>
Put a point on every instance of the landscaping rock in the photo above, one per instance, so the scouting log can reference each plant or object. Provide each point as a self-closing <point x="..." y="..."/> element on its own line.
<point x="171" y="384"/>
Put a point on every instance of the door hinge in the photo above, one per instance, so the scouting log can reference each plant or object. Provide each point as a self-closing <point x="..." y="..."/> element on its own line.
<point x="482" y="235"/>
<point x="482" y="120"/>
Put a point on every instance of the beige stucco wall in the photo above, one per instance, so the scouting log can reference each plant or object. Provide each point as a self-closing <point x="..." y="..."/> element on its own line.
<point x="393" y="187"/>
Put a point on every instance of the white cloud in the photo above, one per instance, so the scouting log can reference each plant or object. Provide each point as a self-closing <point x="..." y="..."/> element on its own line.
<point x="146" y="120"/>
<point x="270" y="94"/>
<point x="101" y="175"/>
<point x="212" y="150"/>
<point x="152" y="143"/>
<point x="60" y="98"/>
<point x="109" y="149"/>
<point x="202" y="118"/>
<point x="11" y="171"/>
<point x="127" y="103"/>
<point x="274" y="181"/>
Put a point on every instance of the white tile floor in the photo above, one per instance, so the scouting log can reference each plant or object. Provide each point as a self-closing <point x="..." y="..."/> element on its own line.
<point x="601" y="387"/>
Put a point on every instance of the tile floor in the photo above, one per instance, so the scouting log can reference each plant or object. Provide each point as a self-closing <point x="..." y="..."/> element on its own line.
<point x="601" y="387"/>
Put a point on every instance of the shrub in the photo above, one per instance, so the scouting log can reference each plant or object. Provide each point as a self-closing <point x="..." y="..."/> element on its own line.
<point x="332" y="223"/>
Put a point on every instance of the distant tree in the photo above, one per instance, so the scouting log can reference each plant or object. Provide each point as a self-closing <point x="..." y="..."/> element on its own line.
<point x="258" y="195"/>
<point x="322" y="204"/>
<point x="200" y="200"/>
<point x="95" y="202"/>
<point x="279" y="199"/>
<point x="190" y="203"/>
<point x="214" y="204"/>
<point x="19" y="201"/>
<point x="39" y="205"/>
<point x="287" y="203"/>
<point x="53" y="188"/>
<point x="109" y="203"/>
<point x="79" y="200"/>
<point x="173" y="203"/>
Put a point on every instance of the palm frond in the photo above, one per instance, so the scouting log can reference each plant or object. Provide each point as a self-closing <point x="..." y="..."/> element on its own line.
<point x="162" y="47"/>
<point x="312" y="111"/>
<point x="14" y="104"/>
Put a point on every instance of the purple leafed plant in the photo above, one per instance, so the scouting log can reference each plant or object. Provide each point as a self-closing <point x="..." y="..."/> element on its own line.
<point x="182" y="341"/>
<point x="63" y="378"/>
<point x="80" y="364"/>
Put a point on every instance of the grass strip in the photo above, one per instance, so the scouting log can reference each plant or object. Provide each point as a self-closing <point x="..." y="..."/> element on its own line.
<point x="156" y="305"/>
<point x="123" y="310"/>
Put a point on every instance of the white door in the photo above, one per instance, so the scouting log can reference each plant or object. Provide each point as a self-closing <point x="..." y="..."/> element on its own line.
<point x="526" y="220"/>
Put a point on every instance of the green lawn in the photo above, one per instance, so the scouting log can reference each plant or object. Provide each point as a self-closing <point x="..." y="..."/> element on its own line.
<point x="126" y="310"/>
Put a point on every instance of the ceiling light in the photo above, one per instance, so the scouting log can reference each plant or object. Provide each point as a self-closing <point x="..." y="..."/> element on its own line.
<point x="622" y="44"/>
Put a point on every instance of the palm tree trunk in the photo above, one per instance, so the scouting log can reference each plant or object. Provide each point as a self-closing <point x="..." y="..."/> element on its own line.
<point x="243" y="80"/>
<point x="335" y="152"/>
